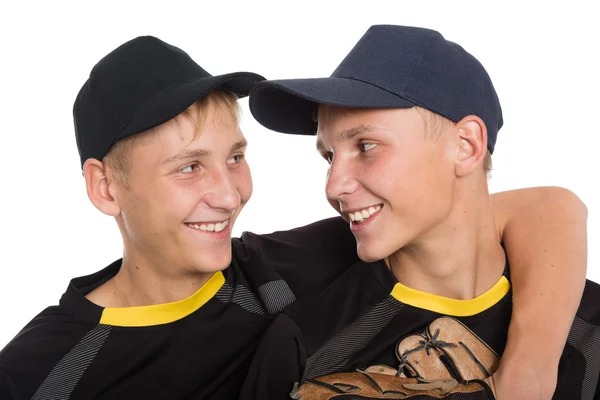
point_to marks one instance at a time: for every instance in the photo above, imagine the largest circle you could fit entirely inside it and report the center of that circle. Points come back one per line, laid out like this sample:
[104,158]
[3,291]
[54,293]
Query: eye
[236,159]
[364,147]
[328,156]
[190,168]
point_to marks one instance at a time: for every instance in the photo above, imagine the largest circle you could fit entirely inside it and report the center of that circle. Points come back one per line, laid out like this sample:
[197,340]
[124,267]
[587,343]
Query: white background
[542,58]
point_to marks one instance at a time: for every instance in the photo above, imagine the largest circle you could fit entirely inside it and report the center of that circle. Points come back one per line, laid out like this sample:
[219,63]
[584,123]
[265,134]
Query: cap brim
[288,106]
[173,101]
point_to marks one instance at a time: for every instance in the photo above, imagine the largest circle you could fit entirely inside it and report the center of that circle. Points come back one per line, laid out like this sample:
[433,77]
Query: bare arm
[545,235]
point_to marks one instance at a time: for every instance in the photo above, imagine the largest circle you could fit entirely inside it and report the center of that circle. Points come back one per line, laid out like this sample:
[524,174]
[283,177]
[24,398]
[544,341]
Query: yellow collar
[163,313]
[448,306]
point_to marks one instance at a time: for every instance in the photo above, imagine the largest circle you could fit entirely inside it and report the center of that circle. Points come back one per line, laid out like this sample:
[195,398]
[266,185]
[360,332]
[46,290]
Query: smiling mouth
[360,216]
[209,227]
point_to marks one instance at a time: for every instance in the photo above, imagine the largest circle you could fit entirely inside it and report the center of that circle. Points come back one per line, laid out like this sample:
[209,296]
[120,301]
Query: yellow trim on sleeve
[163,313]
[448,306]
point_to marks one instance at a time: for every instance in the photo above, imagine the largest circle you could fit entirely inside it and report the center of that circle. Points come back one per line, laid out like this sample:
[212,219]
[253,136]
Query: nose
[223,193]
[340,180]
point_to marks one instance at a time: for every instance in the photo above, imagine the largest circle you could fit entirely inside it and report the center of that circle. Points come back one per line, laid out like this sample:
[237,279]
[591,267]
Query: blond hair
[118,159]
[434,126]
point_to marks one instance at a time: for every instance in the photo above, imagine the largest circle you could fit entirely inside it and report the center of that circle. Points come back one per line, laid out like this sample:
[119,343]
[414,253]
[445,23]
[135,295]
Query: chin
[369,254]
[220,263]
[375,250]
[212,264]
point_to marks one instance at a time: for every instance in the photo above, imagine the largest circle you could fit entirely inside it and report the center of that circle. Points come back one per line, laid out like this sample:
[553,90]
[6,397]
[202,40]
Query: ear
[99,188]
[472,145]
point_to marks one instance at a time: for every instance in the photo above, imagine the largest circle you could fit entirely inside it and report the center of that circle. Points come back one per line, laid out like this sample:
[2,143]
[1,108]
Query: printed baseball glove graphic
[447,361]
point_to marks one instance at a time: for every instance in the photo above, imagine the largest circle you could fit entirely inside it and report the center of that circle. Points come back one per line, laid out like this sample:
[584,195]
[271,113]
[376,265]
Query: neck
[142,283]
[461,257]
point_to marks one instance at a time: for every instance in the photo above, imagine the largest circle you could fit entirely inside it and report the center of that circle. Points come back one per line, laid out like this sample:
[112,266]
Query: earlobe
[98,188]
[472,145]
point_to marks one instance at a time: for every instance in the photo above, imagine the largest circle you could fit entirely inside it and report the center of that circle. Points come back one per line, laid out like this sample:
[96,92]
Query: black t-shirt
[197,348]
[358,320]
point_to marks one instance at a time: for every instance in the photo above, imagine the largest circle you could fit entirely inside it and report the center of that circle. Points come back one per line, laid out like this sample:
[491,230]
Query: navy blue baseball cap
[390,67]
[139,85]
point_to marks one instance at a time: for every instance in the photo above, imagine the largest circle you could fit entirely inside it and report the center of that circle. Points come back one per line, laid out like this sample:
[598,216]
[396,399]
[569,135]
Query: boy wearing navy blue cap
[181,314]
[407,122]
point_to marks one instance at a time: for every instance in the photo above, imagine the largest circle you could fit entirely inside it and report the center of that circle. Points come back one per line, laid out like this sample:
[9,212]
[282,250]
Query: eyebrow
[200,153]
[238,145]
[347,135]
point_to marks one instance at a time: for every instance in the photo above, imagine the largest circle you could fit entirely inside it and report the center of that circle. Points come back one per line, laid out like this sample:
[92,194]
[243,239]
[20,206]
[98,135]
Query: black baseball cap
[139,85]
[390,67]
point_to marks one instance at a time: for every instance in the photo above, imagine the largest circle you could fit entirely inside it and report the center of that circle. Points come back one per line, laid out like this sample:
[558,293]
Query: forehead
[344,123]
[326,113]
[215,127]
[202,117]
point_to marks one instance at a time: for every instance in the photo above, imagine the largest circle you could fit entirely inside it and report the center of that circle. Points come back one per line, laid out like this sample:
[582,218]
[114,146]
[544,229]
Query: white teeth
[218,227]
[361,215]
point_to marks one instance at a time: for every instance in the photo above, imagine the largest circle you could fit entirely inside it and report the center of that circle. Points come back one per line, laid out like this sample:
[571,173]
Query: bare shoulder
[521,203]
[529,197]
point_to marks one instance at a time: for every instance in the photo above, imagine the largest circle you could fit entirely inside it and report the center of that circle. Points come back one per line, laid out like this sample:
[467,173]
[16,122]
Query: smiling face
[187,182]
[391,181]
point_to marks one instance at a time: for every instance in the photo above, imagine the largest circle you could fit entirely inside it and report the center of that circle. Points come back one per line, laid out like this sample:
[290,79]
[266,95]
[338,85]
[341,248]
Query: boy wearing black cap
[178,316]
[408,122]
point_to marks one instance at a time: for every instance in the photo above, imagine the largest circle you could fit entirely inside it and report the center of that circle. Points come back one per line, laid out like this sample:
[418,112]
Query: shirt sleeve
[8,390]
[278,362]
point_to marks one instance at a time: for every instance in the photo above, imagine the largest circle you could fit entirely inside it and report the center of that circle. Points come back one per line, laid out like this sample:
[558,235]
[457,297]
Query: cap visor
[288,106]
[173,101]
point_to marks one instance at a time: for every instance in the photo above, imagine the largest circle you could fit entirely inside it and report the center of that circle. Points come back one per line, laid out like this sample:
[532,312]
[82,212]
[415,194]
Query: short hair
[436,123]
[118,159]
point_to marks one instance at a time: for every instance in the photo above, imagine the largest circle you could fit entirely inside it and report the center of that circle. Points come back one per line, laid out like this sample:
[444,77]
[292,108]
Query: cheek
[141,200]
[439,174]
[430,187]
[177,200]
[385,175]
[135,217]
[243,182]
